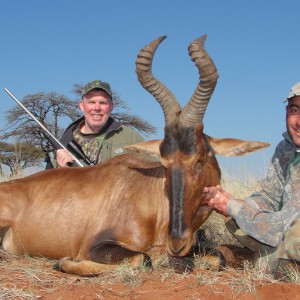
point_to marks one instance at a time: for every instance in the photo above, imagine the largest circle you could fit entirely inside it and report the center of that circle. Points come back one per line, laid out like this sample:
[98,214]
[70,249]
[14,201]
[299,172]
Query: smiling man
[99,135]
[293,116]
[268,222]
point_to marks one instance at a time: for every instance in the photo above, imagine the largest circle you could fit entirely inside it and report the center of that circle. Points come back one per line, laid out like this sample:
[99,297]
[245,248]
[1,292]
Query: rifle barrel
[49,134]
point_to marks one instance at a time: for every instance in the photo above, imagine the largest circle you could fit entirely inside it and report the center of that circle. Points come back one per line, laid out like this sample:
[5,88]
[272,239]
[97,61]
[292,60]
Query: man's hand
[217,199]
[63,158]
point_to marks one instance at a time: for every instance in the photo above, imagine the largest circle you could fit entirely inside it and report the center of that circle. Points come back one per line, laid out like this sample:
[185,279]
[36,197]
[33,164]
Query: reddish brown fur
[62,212]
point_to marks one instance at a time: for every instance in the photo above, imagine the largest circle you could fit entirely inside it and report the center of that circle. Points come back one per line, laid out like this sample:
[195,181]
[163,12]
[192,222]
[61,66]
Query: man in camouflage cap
[99,135]
[268,222]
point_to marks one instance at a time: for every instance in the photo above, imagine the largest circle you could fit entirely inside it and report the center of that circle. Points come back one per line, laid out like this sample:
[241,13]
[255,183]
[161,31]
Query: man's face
[293,119]
[96,106]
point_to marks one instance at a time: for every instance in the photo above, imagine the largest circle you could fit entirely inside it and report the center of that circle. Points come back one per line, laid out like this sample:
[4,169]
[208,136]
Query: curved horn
[161,93]
[194,110]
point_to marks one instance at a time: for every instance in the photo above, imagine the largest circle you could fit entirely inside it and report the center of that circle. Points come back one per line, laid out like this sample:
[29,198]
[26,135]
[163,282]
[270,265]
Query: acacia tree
[54,110]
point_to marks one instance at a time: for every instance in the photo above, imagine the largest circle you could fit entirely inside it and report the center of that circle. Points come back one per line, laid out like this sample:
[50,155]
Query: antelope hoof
[220,262]
[214,260]
[58,265]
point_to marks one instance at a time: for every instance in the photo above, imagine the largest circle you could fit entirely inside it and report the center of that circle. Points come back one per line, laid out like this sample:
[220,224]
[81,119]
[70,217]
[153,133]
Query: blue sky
[50,45]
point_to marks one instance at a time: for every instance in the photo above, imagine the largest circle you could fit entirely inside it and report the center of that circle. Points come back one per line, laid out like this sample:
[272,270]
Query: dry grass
[15,293]
[39,277]
[247,279]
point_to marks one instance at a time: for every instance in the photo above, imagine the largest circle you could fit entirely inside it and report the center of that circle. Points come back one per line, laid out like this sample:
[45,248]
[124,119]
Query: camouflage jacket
[266,215]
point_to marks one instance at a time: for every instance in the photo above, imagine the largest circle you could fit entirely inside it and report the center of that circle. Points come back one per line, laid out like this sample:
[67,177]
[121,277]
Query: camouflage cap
[97,84]
[295,91]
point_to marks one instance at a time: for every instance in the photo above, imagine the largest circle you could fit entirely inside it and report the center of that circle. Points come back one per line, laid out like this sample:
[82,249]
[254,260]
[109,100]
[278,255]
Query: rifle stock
[79,157]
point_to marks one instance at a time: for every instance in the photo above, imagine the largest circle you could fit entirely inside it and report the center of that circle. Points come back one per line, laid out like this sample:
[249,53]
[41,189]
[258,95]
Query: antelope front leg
[91,268]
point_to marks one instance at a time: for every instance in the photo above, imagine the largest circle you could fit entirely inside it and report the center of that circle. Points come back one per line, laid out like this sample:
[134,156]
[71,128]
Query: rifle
[80,159]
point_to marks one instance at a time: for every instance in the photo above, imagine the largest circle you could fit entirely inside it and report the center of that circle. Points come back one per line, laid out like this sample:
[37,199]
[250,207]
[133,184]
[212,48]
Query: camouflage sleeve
[270,195]
[266,215]
[264,225]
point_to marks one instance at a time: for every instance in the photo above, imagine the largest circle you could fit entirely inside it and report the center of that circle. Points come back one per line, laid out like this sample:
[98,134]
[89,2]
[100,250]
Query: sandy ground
[34,278]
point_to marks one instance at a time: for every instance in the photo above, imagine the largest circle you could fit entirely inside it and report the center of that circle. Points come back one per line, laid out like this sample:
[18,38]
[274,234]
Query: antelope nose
[176,246]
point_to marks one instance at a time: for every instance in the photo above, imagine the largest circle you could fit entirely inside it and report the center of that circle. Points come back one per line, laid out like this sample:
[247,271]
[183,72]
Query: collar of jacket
[111,124]
[289,140]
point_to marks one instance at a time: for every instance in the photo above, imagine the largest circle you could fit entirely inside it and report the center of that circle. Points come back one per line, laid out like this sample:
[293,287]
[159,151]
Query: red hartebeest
[92,218]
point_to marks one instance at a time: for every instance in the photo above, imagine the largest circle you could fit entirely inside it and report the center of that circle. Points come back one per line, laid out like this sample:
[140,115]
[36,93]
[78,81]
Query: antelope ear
[146,149]
[235,147]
